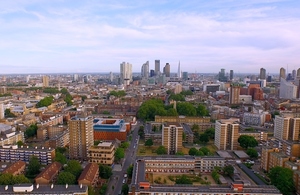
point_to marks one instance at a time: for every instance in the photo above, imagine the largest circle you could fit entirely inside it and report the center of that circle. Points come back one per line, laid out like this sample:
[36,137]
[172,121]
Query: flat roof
[105,144]
[241,154]
[224,154]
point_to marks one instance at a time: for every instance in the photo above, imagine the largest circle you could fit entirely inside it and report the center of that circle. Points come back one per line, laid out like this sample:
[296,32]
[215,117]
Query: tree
[201,110]
[195,127]
[119,154]
[34,166]
[252,153]
[103,189]
[6,179]
[210,132]
[105,171]
[61,150]
[125,189]
[282,178]
[161,150]
[205,150]
[141,132]
[186,109]
[172,112]
[247,141]
[228,170]
[59,157]
[179,153]
[148,142]
[19,179]
[204,138]
[64,91]
[183,179]
[20,143]
[215,175]
[66,178]
[31,131]
[193,152]
[45,102]
[74,167]
[124,145]
[68,99]
[8,113]
[130,171]
[183,136]
[150,108]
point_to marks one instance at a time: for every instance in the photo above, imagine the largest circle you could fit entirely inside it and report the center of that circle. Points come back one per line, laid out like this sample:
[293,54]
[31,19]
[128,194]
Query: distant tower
[231,75]
[234,94]
[1,111]
[125,73]
[111,77]
[262,74]
[145,70]
[157,67]
[298,72]
[167,70]
[282,74]
[75,77]
[294,74]
[27,78]
[45,81]
[179,71]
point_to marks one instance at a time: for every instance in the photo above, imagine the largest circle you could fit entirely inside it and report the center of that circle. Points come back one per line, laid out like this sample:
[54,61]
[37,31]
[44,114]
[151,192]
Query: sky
[61,36]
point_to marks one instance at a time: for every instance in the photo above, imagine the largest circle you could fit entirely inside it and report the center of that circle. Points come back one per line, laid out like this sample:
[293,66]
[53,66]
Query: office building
[103,153]
[286,128]
[152,73]
[45,81]
[110,129]
[287,90]
[227,134]
[262,74]
[234,94]
[172,137]
[81,136]
[222,76]
[282,74]
[157,67]
[125,73]
[167,70]
[145,70]
[185,76]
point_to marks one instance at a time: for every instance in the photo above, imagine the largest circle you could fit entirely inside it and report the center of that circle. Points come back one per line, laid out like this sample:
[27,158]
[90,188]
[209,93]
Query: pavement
[116,180]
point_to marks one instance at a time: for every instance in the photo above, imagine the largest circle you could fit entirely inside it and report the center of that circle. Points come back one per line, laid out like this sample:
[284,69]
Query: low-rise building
[103,153]
[49,174]
[89,175]
[16,168]
[12,153]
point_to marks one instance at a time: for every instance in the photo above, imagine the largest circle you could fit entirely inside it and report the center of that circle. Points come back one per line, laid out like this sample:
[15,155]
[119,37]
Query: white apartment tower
[287,90]
[125,73]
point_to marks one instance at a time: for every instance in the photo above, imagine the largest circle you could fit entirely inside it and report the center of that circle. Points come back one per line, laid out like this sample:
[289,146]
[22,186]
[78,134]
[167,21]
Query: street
[116,179]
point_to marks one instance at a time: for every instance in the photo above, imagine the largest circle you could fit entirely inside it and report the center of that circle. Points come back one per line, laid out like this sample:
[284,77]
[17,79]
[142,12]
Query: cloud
[62,36]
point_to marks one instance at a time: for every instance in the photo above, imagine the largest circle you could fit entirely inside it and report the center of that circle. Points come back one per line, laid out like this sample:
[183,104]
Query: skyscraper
[179,71]
[125,73]
[45,81]
[282,74]
[167,70]
[222,76]
[262,73]
[81,136]
[287,90]
[157,67]
[145,70]
[231,75]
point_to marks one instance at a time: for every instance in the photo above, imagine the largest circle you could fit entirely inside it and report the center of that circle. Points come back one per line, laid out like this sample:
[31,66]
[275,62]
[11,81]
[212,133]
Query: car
[124,181]
[125,175]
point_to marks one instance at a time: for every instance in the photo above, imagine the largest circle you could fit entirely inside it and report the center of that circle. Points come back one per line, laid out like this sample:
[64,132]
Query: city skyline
[94,36]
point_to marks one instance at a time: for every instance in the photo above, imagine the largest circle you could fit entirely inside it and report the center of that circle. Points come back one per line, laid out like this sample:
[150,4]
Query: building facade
[227,134]
[81,136]
[172,137]
[103,153]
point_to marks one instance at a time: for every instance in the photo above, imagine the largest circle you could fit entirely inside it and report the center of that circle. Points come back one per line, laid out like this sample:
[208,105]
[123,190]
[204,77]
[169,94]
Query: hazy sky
[38,36]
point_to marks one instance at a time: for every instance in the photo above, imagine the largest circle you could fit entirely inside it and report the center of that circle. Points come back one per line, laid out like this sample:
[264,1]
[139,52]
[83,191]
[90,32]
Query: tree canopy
[66,178]
[31,131]
[9,179]
[50,90]
[119,154]
[45,102]
[130,170]
[74,167]
[105,171]
[228,170]
[183,179]
[247,141]
[161,150]
[34,166]
[149,142]
[282,178]
[8,113]
[118,93]
[252,153]
[59,157]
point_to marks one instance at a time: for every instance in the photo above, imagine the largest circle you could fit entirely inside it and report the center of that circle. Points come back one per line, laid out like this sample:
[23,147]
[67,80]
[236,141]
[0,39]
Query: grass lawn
[169,179]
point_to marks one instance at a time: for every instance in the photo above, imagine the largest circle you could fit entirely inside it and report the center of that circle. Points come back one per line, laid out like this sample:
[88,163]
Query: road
[130,155]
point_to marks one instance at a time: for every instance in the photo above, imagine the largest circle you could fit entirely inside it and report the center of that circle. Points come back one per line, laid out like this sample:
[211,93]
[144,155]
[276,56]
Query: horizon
[95,36]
